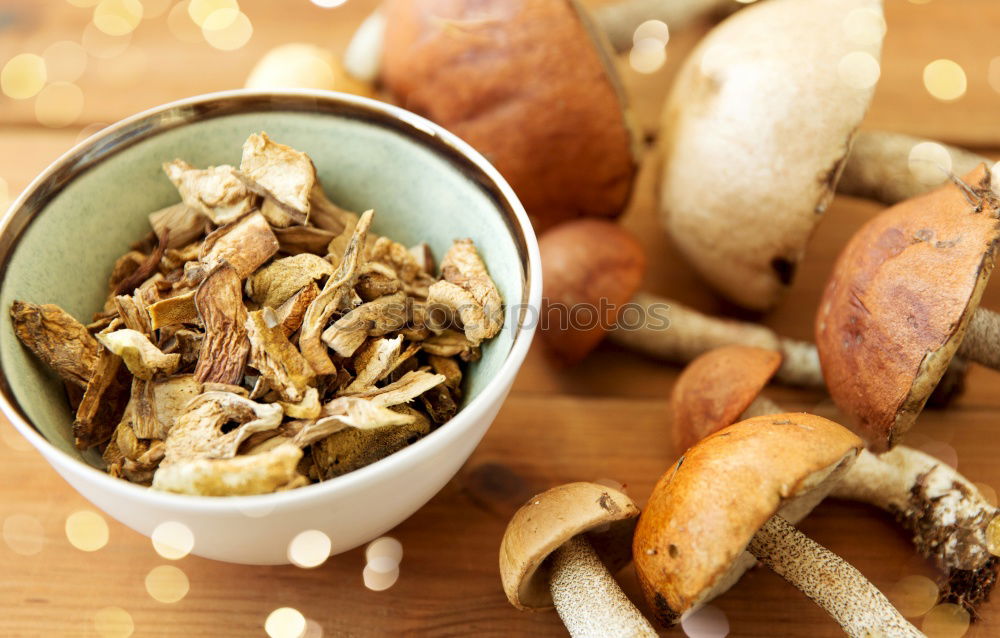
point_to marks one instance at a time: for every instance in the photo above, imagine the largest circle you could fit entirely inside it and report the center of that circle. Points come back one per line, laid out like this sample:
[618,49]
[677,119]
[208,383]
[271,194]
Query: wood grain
[603,418]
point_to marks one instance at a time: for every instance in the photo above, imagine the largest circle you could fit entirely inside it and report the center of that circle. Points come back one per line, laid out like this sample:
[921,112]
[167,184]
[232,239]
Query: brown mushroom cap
[754,136]
[898,302]
[550,519]
[529,85]
[706,508]
[587,263]
[716,388]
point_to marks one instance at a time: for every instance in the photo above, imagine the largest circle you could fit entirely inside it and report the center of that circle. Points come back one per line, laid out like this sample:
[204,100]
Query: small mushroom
[943,511]
[730,498]
[303,66]
[757,132]
[902,301]
[562,548]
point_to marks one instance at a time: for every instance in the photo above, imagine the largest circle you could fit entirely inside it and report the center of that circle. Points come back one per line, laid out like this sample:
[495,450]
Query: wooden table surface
[604,418]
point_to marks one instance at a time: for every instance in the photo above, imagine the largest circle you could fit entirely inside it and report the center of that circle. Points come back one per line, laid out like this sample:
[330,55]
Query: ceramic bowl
[60,238]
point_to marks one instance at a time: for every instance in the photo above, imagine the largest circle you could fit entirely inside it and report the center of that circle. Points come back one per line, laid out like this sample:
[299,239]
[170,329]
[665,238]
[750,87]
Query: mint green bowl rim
[136,128]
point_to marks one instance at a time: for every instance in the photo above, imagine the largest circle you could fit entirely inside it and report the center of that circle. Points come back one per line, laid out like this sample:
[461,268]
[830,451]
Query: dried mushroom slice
[303,239]
[353,448]
[451,343]
[173,311]
[224,348]
[308,408]
[216,192]
[439,403]
[375,360]
[372,319]
[377,280]
[197,433]
[132,312]
[280,364]
[186,343]
[275,283]
[469,291]
[397,256]
[244,245]
[59,340]
[155,409]
[328,216]
[103,403]
[338,286]
[143,359]
[403,390]
[264,473]
[424,258]
[450,369]
[284,176]
[177,225]
[291,313]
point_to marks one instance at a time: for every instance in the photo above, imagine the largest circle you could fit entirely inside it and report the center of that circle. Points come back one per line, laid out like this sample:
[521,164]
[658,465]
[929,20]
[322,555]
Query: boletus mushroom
[903,300]
[562,547]
[592,273]
[760,127]
[946,516]
[759,474]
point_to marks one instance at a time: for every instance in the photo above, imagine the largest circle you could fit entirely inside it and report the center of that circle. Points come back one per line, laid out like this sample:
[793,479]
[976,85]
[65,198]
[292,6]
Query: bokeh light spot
[652,29]
[930,163]
[913,595]
[220,19]
[118,17]
[310,548]
[154,8]
[859,70]
[23,534]
[705,622]
[379,581]
[384,547]
[294,66]
[647,55]
[864,27]
[167,584]
[285,622]
[181,26]
[172,540]
[328,4]
[59,104]
[945,80]
[113,622]
[233,37]
[993,536]
[101,45]
[993,74]
[65,61]
[947,620]
[23,76]
[313,629]
[87,531]
[200,10]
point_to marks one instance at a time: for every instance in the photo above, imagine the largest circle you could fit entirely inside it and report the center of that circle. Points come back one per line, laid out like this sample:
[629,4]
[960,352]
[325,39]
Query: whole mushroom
[562,548]
[761,129]
[903,300]
[592,271]
[946,516]
[299,65]
[728,500]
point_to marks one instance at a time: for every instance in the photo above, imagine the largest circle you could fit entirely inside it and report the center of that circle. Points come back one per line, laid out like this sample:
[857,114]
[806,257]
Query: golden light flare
[23,76]
[167,584]
[993,536]
[706,622]
[118,17]
[859,70]
[313,629]
[87,530]
[285,622]
[154,8]
[113,622]
[864,27]
[232,37]
[23,534]
[654,29]
[181,26]
[65,61]
[376,580]
[101,45]
[83,4]
[993,74]
[913,595]
[647,56]
[947,620]
[59,104]
[945,80]
[172,540]
[930,163]
[200,10]
[328,4]
[384,547]
[220,19]
[309,549]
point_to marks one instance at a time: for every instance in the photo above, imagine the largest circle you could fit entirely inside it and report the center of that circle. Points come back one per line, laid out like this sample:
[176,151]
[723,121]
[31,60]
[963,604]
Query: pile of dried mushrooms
[262,338]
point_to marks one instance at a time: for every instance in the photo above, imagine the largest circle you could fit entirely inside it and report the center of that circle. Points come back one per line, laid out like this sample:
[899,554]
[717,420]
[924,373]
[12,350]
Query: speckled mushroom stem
[982,339]
[833,584]
[878,167]
[665,329]
[619,20]
[945,513]
[587,598]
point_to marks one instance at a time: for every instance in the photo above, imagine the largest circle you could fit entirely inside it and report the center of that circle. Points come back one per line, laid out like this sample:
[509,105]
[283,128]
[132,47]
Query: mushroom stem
[619,20]
[587,598]
[982,339]
[833,584]
[878,167]
[671,331]
[945,514]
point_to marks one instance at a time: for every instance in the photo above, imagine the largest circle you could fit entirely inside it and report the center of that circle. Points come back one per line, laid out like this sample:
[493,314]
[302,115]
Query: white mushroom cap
[755,133]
